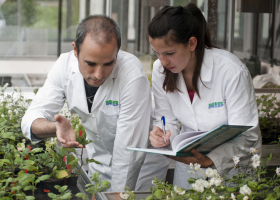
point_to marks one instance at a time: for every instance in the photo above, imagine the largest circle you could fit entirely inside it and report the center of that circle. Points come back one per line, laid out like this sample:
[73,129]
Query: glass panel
[277,34]
[30,28]
[238,30]
[222,24]
[264,43]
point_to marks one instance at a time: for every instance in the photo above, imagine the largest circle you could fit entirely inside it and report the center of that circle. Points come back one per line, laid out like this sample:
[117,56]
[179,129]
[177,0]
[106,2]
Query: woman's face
[173,56]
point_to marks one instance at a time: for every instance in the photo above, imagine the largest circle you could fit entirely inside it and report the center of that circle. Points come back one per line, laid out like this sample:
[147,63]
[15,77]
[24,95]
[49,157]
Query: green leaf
[92,160]
[2,193]
[67,196]
[95,175]
[36,150]
[52,195]
[54,168]
[30,198]
[231,190]
[74,166]
[18,161]
[30,187]
[30,168]
[17,188]
[82,195]
[42,178]
[5,161]
[73,162]
[8,135]
[28,162]
[70,150]
[252,184]
[157,193]
[61,174]
[150,197]
[105,183]
[70,158]
[63,188]
[57,187]
[62,153]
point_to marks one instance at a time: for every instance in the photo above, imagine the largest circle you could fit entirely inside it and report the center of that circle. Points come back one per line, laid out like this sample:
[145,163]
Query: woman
[188,77]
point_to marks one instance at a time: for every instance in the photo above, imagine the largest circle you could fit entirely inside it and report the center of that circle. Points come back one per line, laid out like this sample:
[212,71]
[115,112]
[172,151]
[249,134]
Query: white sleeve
[162,105]
[48,101]
[242,110]
[132,130]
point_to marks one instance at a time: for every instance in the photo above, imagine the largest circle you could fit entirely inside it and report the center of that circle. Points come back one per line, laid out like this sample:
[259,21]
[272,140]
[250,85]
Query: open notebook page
[184,138]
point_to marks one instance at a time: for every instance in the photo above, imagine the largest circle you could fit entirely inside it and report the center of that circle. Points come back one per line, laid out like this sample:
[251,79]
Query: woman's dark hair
[180,24]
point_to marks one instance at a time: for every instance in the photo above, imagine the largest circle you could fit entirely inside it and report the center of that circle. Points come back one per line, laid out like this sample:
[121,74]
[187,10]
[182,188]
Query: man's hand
[198,158]
[65,133]
[156,137]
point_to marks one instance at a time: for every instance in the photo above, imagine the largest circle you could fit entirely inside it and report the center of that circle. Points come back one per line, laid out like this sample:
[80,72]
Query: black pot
[267,140]
[45,187]
[71,181]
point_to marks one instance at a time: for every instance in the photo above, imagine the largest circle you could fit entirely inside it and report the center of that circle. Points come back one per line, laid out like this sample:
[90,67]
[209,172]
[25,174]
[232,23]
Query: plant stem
[82,162]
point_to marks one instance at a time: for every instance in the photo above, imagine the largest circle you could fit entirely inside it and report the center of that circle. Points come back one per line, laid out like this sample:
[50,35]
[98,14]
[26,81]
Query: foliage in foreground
[249,183]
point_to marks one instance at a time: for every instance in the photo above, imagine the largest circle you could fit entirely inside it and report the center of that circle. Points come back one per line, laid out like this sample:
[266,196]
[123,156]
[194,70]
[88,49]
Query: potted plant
[42,163]
[96,187]
[12,109]
[64,193]
[28,183]
[269,113]
[251,182]
[269,109]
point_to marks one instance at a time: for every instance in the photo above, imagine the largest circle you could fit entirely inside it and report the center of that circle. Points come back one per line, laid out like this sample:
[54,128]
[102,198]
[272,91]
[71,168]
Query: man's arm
[42,128]
[62,129]
[48,101]
[41,117]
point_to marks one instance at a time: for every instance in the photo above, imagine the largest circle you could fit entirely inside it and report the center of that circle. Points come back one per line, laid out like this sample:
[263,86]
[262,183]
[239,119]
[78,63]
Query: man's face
[96,61]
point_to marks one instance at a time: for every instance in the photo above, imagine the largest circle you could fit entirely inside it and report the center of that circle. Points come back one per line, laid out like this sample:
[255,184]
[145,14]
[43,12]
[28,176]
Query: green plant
[76,124]
[269,113]
[64,193]
[98,186]
[29,182]
[251,182]
[127,194]
[12,109]
[35,162]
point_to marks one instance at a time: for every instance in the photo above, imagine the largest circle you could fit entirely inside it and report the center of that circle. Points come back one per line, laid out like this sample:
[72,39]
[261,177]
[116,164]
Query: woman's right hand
[157,137]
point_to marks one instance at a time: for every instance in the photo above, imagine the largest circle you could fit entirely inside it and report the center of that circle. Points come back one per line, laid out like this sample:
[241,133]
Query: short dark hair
[179,24]
[97,25]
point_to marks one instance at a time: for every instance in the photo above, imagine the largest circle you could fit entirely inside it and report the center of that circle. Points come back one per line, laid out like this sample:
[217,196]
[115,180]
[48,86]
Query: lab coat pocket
[109,116]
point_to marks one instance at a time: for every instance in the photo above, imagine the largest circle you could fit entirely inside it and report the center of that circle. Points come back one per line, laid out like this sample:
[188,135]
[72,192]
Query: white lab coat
[112,126]
[225,79]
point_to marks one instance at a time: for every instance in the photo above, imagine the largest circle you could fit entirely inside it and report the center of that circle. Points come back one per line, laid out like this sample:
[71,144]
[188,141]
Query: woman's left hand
[198,158]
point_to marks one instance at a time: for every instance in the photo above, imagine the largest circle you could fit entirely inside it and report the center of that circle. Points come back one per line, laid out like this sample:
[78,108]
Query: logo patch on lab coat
[216,105]
[113,103]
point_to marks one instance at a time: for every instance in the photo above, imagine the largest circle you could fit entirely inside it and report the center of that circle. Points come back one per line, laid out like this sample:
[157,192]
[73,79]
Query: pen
[163,126]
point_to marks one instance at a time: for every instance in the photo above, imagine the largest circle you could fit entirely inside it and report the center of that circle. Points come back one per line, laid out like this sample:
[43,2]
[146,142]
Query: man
[109,90]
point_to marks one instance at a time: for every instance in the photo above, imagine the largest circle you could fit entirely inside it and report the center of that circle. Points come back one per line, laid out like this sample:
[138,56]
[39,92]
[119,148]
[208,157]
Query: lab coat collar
[79,93]
[184,93]
[207,66]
